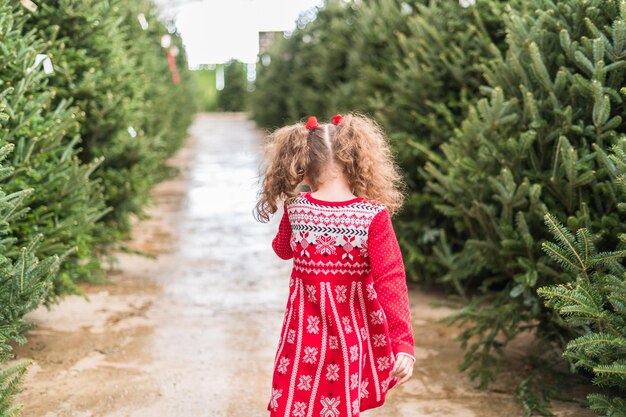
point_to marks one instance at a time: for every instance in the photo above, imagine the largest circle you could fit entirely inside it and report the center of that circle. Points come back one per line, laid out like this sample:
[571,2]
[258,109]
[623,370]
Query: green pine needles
[593,302]
[71,172]
[10,384]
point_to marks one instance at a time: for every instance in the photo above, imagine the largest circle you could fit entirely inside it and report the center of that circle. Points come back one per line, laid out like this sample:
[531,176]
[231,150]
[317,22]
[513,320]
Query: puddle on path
[193,333]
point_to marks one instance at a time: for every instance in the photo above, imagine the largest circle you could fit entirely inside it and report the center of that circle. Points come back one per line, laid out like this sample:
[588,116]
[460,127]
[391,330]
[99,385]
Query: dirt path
[193,332]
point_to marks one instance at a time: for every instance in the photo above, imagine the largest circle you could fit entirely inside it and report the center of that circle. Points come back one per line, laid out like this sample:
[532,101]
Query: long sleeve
[281,243]
[390,281]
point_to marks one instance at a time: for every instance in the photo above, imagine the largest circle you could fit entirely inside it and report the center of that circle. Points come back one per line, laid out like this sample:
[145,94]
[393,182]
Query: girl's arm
[281,243]
[390,282]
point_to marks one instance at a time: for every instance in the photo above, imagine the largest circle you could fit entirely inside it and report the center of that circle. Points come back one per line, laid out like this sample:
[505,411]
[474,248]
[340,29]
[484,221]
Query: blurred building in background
[225,40]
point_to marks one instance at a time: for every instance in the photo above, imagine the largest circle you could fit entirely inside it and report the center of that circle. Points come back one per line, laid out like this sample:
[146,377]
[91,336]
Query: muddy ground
[193,332]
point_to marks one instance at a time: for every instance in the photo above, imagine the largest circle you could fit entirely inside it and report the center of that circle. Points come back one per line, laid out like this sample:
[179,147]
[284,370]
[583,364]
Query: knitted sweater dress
[347,313]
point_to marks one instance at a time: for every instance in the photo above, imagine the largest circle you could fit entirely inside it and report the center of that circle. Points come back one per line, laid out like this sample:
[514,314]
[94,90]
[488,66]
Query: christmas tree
[113,69]
[234,96]
[536,143]
[58,113]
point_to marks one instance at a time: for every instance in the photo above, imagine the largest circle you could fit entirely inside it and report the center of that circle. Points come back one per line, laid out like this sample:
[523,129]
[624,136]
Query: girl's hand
[403,368]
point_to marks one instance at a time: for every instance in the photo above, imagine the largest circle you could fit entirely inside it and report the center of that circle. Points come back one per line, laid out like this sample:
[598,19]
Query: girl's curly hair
[357,144]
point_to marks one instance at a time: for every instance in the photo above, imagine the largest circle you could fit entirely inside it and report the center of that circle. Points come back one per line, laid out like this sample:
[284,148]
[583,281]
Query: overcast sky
[215,31]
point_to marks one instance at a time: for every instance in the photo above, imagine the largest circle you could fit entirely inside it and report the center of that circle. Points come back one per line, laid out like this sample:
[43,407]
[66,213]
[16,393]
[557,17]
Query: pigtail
[362,148]
[287,156]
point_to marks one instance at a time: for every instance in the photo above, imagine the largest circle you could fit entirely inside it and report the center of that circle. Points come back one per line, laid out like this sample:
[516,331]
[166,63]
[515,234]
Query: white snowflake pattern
[310,354]
[363,333]
[354,353]
[379,340]
[329,407]
[385,384]
[311,290]
[355,407]
[325,245]
[346,324]
[276,394]
[377,317]
[291,336]
[364,248]
[313,326]
[293,242]
[383,363]
[347,247]
[304,383]
[282,365]
[299,409]
[332,372]
[332,342]
[363,392]
[354,381]
[304,243]
[340,292]
[371,293]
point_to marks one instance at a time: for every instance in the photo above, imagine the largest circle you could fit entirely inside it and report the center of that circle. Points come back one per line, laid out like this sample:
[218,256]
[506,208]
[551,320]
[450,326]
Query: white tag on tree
[132,132]
[47,64]
[142,21]
[30,5]
[166,41]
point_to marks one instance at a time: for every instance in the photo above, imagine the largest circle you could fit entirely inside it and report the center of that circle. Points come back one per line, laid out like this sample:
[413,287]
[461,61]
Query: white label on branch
[29,5]
[132,132]
[467,3]
[47,64]
[406,8]
[166,41]
[142,21]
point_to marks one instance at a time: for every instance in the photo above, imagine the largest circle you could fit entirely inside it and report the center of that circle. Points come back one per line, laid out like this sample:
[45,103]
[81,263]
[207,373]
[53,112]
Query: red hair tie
[337,119]
[311,123]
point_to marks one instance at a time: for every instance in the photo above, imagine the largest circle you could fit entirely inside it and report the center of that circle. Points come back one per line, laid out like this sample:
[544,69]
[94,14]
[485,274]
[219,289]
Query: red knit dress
[347,313]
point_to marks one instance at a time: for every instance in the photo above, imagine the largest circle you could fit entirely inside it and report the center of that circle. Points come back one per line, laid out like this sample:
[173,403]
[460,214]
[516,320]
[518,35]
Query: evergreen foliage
[234,96]
[269,99]
[44,135]
[117,73]
[70,172]
[536,143]
[421,96]
[10,383]
[593,301]
[594,304]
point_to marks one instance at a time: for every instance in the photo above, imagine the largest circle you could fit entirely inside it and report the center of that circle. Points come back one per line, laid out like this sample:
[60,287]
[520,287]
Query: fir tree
[234,96]
[593,303]
[103,56]
[432,73]
[270,85]
[535,144]
[65,202]
[51,206]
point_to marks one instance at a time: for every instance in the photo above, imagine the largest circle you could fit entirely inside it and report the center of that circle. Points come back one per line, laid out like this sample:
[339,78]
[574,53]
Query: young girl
[346,337]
